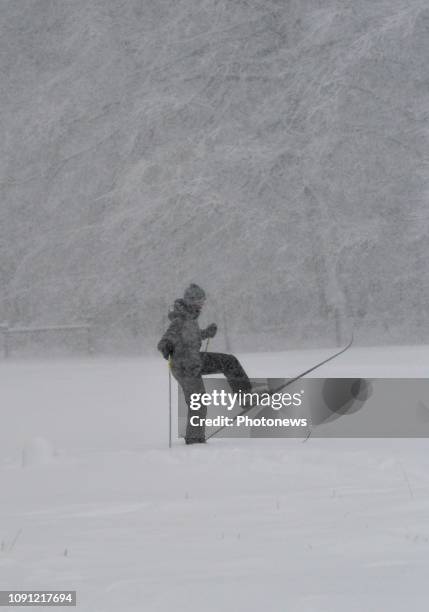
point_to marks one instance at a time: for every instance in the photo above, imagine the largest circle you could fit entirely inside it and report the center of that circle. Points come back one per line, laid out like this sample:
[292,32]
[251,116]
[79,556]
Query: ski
[290,382]
[315,367]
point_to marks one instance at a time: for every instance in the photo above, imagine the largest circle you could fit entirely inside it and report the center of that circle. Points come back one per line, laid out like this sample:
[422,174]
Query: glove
[166,348]
[211,330]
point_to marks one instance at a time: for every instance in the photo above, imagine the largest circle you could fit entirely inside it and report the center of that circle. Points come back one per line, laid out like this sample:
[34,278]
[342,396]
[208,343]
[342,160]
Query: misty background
[275,152]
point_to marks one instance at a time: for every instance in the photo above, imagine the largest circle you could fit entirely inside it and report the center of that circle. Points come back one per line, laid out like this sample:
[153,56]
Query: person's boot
[260,388]
[201,440]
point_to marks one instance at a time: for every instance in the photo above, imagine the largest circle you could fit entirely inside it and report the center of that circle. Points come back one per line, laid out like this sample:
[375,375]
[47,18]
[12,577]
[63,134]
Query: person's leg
[189,386]
[230,367]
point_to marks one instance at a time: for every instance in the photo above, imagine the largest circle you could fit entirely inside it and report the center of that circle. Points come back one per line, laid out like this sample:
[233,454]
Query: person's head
[194,297]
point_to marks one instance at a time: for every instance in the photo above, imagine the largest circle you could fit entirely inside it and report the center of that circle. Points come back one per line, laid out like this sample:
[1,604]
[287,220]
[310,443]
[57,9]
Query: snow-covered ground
[92,499]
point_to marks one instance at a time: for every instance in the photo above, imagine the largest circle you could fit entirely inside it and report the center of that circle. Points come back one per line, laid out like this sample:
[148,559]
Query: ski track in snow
[330,525]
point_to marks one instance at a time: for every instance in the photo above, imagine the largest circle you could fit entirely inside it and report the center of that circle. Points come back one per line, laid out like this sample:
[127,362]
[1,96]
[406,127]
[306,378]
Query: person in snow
[181,345]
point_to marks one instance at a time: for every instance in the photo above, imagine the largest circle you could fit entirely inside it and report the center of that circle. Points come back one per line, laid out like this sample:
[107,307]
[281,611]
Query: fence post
[89,340]
[338,327]
[4,331]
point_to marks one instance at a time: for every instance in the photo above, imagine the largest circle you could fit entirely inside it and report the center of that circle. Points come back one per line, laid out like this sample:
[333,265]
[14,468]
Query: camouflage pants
[211,363]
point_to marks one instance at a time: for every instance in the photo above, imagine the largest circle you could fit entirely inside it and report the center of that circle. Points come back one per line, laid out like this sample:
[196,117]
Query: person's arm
[169,340]
[209,332]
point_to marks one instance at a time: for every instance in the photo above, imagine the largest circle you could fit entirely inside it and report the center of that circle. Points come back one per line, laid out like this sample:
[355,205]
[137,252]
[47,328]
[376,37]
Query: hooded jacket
[185,337]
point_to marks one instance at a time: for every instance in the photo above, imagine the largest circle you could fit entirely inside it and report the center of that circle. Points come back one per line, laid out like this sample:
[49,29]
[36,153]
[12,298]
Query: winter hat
[194,293]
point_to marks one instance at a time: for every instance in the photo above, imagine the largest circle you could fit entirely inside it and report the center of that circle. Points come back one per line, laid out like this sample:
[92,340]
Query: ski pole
[169,402]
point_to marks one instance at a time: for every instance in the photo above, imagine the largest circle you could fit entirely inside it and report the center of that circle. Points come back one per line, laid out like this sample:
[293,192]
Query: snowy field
[92,499]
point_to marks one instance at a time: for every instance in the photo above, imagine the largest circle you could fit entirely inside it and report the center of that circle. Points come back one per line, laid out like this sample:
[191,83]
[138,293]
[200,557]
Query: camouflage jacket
[185,337]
